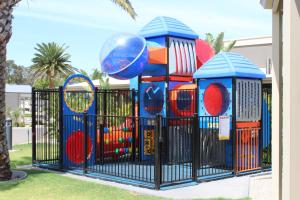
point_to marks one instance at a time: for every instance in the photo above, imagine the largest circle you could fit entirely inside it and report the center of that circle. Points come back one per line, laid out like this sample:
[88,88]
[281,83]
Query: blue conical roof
[167,26]
[227,64]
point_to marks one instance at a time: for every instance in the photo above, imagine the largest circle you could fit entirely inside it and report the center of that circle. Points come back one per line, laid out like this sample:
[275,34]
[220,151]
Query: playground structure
[190,115]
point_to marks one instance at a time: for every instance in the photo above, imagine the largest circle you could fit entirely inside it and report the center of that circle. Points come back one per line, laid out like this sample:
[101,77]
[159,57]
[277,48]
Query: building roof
[268,78]
[228,64]
[167,26]
[264,40]
[25,89]
[113,83]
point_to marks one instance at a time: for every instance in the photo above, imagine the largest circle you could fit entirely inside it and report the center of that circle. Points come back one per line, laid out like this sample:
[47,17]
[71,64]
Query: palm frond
[126,5]
[209,38]
[219,43]
[14,2]
[229,46]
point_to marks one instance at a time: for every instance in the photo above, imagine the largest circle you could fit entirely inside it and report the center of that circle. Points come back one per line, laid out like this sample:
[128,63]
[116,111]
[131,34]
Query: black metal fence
[121,146]
[116,102]
[176,148]
[267,126]
[215,155]
[45,126]
[181,152]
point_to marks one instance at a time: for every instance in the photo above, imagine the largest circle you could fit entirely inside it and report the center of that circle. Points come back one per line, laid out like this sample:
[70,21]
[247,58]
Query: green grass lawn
[41,184]
[45,185]
[21,155]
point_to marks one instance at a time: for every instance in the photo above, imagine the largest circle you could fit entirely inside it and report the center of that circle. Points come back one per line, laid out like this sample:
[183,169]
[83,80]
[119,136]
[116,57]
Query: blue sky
[84,25]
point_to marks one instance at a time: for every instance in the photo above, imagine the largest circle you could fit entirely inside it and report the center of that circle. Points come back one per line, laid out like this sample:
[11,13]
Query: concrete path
[234,188]
[254,186]
[261,187]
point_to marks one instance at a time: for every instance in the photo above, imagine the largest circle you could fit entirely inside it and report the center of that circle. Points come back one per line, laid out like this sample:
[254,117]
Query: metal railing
[45,127]
[119,145]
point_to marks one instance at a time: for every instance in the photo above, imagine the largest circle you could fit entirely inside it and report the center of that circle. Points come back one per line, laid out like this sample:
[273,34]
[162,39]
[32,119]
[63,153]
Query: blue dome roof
[167,26]
[227,64]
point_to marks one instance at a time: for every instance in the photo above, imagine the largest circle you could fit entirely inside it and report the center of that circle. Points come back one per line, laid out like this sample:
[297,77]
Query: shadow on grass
[30,175]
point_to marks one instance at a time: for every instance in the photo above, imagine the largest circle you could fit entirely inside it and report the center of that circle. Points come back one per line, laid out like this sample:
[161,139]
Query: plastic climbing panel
[182,57]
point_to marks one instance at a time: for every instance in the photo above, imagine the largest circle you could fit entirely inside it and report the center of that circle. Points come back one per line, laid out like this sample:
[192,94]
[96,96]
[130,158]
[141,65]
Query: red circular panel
[75,147]
[203,52]
[216,99]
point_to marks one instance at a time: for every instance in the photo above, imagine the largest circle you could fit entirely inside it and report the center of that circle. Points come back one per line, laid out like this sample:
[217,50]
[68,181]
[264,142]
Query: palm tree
[218,43]
[17,115]
[6,10]
[51,62]
[103,81]
[82,71]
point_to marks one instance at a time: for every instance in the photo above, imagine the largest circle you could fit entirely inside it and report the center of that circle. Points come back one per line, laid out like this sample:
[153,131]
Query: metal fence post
[196,145]
[234,145]
[260,131]
[85,121]
[133,124]
[61,132]
[102,143]
[168,131]
[140,120]
[157,154]
[33,124]
[96,125]
[104,106]
[8,132]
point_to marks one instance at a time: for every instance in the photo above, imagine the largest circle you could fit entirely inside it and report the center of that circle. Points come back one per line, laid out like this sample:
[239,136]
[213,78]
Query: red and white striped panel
[182,57]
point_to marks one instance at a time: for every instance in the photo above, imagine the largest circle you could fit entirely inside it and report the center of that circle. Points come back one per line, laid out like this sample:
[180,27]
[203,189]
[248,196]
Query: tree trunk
[5,33]
[51,82]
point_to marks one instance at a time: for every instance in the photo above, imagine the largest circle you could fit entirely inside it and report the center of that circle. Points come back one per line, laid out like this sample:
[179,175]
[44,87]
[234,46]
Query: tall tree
[44,83]
[6,10]
[218,43]
[51,62]
[16,74]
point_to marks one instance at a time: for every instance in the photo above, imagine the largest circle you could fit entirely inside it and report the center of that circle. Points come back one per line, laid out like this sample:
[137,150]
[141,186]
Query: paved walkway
[261,187]
[255,186]
[236,187]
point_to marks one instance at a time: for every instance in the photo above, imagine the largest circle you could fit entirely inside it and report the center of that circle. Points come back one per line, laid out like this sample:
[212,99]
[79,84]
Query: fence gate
[177,150]
[213,155]
[45,127]
[247,148]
